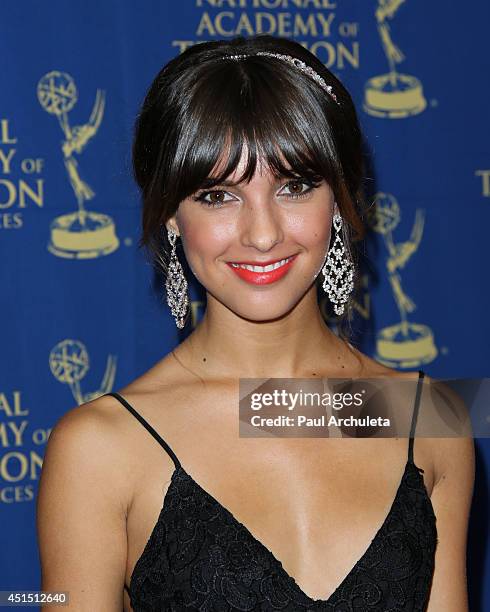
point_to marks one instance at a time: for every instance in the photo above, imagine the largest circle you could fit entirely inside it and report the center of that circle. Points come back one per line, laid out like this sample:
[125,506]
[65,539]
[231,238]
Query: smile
[262,275]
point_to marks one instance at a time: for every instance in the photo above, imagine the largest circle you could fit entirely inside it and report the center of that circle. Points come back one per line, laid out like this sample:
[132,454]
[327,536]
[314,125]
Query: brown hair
[198,106]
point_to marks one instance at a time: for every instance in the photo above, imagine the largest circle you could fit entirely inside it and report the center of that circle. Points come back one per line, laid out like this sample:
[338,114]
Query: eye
[213,198]
[297,188]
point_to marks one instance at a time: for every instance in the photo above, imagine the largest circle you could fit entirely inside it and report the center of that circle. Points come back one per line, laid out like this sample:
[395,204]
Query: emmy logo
[69,363]
[392,95]
[82,234]
[405,344]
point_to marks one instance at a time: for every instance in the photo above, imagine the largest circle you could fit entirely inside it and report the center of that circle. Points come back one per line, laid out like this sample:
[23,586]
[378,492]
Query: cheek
[312,230]
[205,238]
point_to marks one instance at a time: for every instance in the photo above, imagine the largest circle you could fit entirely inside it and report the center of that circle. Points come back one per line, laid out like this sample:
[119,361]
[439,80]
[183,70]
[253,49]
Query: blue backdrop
[82,312]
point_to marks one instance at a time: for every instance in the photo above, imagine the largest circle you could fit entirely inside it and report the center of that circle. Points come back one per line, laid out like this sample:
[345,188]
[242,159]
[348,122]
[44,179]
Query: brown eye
[216,196]
[213,198]
[298,188]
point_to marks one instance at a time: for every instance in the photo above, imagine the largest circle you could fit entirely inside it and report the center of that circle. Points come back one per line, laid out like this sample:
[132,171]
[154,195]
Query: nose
[261,225]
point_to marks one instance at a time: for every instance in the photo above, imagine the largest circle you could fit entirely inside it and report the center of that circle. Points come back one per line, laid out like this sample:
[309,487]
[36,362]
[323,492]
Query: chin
[264,312]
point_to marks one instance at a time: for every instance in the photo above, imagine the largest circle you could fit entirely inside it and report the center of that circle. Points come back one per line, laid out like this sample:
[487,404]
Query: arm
[81,513]
[451,499]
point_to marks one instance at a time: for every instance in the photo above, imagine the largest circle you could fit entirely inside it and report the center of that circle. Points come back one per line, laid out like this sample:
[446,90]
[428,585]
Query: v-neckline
[179,470]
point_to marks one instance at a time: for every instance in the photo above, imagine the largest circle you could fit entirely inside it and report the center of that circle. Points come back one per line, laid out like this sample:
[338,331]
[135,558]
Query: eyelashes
[202,197]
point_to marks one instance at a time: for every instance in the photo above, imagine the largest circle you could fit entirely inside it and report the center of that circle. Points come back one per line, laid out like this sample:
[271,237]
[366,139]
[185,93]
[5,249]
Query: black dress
[199,557]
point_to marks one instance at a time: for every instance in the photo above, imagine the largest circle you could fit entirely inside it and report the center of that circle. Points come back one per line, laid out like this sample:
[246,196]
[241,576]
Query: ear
[172,224]
[335,209]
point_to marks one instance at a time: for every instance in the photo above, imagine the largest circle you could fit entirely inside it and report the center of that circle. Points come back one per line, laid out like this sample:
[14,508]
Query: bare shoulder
[103,439]
[445,447]
[443,429]
[165,400]
[81,508]
[444,434]
[103,432]
[95,423]
[92,433]
[369,367]
[446,414]
[445,419]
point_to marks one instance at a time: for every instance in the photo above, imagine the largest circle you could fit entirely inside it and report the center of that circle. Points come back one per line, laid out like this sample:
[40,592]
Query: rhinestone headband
[295,62]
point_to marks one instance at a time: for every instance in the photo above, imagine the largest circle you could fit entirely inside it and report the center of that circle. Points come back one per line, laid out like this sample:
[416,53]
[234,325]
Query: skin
[89,543]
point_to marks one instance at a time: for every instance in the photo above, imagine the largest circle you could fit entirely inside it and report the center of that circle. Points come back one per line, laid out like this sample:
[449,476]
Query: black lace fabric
[200,557]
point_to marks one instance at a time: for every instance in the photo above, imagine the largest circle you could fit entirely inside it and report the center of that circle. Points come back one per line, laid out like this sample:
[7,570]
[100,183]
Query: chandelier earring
[338,271]
[176,284]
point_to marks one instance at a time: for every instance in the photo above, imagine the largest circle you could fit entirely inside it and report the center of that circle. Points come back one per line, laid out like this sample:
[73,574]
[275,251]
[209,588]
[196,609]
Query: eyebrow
[213,182]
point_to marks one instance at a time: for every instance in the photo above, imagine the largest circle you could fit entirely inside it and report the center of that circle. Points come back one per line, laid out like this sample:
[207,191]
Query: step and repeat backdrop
[83,312]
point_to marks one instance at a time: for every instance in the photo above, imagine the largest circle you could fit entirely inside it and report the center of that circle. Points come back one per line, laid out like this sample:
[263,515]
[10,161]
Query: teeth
[268,268]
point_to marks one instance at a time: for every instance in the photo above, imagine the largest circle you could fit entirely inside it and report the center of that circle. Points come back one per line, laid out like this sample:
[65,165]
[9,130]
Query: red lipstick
[261,277]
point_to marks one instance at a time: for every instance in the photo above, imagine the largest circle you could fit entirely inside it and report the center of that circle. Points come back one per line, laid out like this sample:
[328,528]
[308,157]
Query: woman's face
[257,223]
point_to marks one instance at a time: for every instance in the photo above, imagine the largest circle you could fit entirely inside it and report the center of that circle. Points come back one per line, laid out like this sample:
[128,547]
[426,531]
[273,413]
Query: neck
[298,344]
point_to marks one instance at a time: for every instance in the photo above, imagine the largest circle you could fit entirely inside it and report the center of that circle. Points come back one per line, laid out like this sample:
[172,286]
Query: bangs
[273,111]
[218,103]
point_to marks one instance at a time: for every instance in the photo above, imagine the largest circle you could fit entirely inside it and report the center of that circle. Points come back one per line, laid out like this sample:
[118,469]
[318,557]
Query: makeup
[263,274]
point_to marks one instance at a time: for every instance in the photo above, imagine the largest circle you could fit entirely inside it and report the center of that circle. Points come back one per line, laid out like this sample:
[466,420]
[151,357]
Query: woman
[249,151]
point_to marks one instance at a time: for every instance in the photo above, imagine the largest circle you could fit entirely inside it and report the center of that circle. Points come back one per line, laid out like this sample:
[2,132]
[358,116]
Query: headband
[295,62]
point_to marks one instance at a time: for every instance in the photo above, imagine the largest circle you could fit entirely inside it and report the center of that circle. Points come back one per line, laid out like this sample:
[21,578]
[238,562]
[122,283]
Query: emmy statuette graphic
[81,234]
[393,95]
[69,362]
[405,344]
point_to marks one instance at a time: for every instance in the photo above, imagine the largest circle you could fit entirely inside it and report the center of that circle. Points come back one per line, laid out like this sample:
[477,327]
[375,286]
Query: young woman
[249,151]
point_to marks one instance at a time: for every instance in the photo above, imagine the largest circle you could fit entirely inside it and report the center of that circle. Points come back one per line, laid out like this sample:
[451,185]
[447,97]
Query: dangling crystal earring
[176,284]
[338,271]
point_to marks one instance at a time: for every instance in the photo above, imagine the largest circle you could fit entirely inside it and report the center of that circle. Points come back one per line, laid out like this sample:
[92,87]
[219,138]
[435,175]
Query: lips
[256,274]
[259,263]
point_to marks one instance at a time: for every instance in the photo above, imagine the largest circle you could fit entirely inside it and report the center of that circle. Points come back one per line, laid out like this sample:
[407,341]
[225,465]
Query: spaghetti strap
[147,426]
[415,414]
